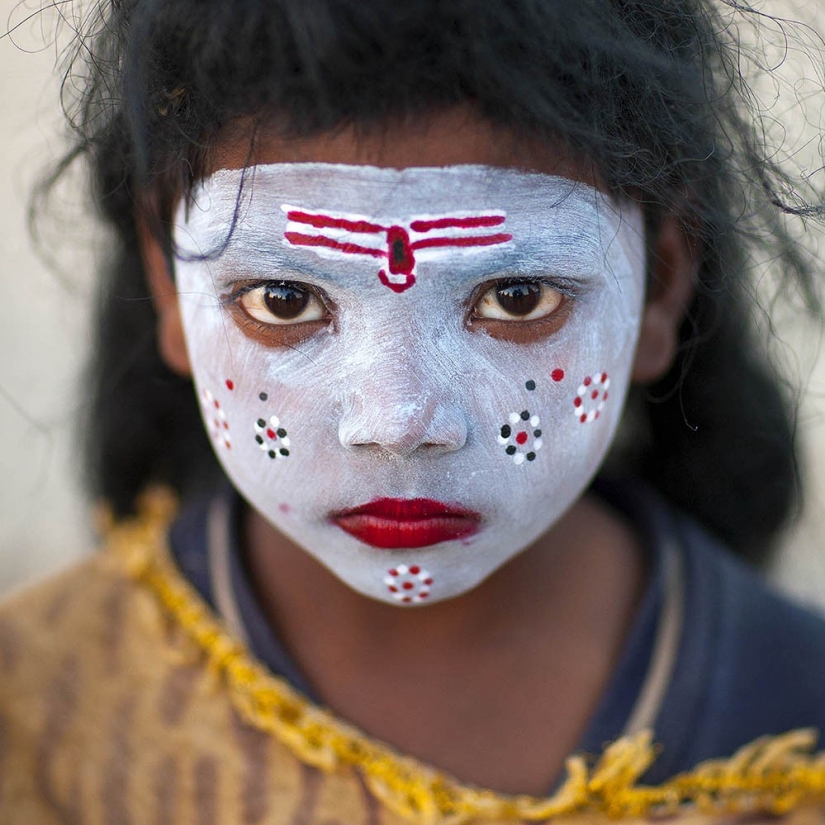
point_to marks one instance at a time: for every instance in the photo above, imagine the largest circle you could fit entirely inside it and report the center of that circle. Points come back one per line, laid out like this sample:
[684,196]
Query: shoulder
[742,661]
[64,660]
[53,616]
[751,662]
[770,652]
[68,640]
[118,687]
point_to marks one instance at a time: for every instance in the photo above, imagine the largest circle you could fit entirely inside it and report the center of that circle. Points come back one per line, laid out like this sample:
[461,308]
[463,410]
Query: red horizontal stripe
[476,240]
[328,222]
[457,223]
[297,239]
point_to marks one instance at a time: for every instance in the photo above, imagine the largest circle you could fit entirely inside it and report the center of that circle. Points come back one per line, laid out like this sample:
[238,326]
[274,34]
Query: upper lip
[409,509]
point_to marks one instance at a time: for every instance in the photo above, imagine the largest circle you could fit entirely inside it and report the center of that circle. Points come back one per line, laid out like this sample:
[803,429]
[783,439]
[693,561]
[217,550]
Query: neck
[581,581]
[521,660]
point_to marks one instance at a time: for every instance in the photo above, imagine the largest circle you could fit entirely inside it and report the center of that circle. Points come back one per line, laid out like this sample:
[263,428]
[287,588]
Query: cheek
[271,436]
[591,396]
[215,419]
[554,423]
[263,431]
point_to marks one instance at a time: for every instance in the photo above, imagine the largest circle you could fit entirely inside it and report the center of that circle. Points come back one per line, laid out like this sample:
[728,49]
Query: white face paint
[405,427]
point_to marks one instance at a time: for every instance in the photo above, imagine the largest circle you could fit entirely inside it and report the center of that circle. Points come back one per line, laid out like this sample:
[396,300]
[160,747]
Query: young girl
[418,269]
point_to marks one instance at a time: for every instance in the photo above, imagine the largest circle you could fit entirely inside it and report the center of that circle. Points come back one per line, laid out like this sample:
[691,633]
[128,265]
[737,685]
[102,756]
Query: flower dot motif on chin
[408,584]
[271,437]
[521,436]
[591,397]
[215,418]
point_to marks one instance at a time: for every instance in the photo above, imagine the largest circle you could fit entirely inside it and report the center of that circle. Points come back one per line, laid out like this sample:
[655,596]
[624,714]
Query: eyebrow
[259,261]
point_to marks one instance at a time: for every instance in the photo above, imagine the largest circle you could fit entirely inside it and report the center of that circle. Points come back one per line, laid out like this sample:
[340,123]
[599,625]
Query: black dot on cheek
[536,433]
[525,415]
[530,456]
[263,396]
[530,385]
[271,453]
[259,439]
[505,431]
[511,450]
[284,452]
[281,432]
[261,422]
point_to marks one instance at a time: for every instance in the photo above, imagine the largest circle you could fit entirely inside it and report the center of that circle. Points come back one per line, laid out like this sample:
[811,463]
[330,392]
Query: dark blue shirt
[714,658]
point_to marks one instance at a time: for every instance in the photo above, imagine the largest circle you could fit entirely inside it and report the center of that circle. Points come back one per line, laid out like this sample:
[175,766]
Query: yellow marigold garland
[772,774]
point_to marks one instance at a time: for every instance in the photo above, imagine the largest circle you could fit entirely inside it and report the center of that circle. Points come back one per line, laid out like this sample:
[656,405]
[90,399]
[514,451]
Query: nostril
[401,429]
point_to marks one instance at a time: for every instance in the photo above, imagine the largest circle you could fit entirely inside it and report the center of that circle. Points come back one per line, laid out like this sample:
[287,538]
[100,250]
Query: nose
[398,411]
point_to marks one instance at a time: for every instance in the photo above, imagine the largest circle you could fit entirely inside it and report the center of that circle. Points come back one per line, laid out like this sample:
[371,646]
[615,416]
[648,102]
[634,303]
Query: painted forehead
[400,217]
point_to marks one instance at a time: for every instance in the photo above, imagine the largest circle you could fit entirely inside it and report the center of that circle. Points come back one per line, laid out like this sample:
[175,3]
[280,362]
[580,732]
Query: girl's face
[411,373]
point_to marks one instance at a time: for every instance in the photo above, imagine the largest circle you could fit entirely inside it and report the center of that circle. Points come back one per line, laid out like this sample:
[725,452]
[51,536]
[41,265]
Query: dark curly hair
[649,91]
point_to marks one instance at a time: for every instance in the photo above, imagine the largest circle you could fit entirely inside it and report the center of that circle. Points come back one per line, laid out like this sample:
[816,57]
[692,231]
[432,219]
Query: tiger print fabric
[111,715]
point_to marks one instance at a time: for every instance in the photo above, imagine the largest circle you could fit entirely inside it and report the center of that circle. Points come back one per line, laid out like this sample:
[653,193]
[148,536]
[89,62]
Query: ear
[171,340]
[674,263]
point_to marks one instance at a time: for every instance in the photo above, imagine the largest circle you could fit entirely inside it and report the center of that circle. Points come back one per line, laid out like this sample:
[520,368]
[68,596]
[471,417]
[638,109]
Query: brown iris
[518,299]
[285,300]
[523,312]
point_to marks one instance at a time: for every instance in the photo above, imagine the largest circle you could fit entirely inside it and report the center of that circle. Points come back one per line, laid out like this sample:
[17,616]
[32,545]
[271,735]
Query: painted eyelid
[566,291]
[235,298]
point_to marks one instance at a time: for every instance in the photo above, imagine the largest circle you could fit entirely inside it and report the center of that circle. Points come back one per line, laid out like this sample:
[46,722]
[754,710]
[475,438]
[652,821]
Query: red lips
[398,523]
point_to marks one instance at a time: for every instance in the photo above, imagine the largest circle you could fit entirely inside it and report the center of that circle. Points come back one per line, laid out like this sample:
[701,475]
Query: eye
[281,303]
[518,301]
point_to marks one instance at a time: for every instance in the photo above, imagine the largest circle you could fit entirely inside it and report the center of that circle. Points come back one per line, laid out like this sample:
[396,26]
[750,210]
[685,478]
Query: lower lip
[399,533]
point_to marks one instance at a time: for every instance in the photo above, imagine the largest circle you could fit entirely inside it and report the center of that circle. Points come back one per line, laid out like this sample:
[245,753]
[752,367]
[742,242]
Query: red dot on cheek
[521,438]
[415,570]
[407,585]
[270,433]
[557,375]
[428,581]
[594,395]
[230,384]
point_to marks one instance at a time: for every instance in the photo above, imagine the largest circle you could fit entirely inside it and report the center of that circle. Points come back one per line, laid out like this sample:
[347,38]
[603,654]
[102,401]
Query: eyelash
[565,290]
[524,330]
[272,333]
[248,289]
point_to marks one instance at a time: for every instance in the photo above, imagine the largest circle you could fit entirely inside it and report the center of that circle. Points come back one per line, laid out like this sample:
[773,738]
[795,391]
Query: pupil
[518,299]
[286,301]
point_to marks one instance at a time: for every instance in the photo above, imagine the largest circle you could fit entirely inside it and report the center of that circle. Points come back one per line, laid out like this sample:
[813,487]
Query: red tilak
[399,250]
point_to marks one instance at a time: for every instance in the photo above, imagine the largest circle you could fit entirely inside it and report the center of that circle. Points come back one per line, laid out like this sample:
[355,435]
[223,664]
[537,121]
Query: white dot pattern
[215,418]
[591,397]
[408,584]
[521,437]
[271,437]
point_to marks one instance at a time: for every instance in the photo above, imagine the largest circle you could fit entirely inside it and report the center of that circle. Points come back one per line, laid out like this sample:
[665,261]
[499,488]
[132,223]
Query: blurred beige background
[44,332]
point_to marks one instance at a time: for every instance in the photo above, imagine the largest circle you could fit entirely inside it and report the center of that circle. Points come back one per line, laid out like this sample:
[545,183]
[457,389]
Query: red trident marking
[400,247]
